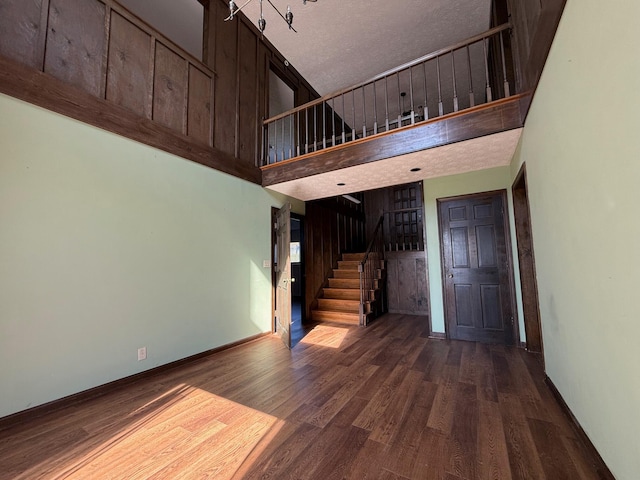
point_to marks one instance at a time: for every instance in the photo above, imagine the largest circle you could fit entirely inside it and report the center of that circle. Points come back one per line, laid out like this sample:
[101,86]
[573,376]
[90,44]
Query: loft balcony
[461,98]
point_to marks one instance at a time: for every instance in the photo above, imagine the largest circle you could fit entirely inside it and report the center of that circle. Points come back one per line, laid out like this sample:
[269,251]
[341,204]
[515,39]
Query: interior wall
[454,185]
[581,147]
[108,245]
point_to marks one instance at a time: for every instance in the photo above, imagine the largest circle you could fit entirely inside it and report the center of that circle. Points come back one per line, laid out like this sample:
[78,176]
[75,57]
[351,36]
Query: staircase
[340,301]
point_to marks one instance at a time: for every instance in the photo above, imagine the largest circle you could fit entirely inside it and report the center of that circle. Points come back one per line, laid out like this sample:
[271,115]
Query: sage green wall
[474,182]
[107,245]
[581,145]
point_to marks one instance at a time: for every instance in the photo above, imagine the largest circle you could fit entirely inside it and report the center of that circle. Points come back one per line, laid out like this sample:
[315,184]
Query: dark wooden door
[283,274]
[476,268]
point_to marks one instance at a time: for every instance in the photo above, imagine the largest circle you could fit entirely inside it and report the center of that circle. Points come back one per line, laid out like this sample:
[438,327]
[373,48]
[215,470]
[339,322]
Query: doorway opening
[526,258]
[288,286]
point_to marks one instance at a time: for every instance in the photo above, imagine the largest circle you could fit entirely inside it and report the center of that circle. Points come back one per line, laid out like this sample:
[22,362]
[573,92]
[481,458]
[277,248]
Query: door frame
[527,262]
[508,247]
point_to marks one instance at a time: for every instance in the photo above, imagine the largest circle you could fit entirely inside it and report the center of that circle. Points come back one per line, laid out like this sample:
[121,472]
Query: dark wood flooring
[383,402]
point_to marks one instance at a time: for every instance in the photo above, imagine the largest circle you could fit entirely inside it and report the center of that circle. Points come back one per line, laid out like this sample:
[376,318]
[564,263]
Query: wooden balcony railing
[476,71]
[103,49]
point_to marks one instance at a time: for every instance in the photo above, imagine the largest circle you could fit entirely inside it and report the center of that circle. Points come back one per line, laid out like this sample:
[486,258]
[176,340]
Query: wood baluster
[486,70]
[425,110]
[455,87]
[344,135]
[364,115]
[375,110]
[353,115]
[333,122]
[315,128]
[440,106]
[306,128]
[472,98]
[507,92]
[386,103]
[291,146]
[284,144]
[324,124]
[399,105]
[297,137]
[413,113]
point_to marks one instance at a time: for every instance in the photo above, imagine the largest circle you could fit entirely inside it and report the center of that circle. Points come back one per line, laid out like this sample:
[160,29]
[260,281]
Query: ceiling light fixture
[352,199]
[262,23]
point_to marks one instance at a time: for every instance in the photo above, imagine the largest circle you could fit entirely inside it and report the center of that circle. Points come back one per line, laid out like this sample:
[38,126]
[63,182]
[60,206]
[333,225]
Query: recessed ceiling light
[416,169]
[341,184]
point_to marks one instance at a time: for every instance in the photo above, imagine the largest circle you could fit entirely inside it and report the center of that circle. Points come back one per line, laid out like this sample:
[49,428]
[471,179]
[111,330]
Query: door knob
[450,275]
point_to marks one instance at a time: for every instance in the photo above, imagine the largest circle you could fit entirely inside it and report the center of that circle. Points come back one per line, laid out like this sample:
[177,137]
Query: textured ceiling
[468,156]
[341,43]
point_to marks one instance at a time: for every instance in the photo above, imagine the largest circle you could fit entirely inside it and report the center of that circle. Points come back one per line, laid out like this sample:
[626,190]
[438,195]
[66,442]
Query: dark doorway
[527,262]
[297,278]
[476,266]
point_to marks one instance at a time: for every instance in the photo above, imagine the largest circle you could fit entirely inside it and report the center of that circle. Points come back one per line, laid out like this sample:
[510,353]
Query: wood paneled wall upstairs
[534,26]
[96,62]
[242,58]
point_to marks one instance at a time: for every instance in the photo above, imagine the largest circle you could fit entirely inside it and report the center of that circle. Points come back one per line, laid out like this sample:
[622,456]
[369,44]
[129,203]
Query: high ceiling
[340,43]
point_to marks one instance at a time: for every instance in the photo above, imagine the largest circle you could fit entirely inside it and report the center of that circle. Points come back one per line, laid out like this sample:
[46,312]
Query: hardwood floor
[383,402]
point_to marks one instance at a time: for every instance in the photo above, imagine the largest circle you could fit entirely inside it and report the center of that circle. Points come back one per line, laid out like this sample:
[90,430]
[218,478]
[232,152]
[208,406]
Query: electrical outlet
[142,353]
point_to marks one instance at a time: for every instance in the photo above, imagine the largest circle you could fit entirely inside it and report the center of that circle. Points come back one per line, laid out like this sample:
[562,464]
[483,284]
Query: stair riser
[343,294]
[352,257]
[336,317]
[348,265]
[344,283]
[348,306]
[346,274]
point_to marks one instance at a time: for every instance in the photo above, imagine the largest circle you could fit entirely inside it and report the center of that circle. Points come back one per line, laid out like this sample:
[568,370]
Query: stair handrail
[368,268]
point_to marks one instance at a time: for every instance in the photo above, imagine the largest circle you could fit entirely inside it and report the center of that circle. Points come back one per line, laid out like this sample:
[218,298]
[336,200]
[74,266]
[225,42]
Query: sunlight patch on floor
[184,432]
[326,336]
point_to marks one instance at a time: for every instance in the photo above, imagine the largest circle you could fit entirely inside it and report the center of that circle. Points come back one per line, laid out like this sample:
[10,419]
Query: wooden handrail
[372,242]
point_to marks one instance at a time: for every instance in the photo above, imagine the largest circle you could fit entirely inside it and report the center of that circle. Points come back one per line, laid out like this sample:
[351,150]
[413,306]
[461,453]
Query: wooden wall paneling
[200,104]
[23,27]
[170,89]
[262,94]
[76,43]
[225,54]
[407,282]
[247,95]
[129,77]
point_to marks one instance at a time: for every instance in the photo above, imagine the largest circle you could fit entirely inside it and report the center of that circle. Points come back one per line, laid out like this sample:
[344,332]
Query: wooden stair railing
[371,272]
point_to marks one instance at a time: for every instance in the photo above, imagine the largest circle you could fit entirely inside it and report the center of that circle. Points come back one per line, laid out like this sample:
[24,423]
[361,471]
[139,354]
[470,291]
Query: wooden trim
[600,467]
[527,263]
[437,335]
[101,390]
[45,91]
